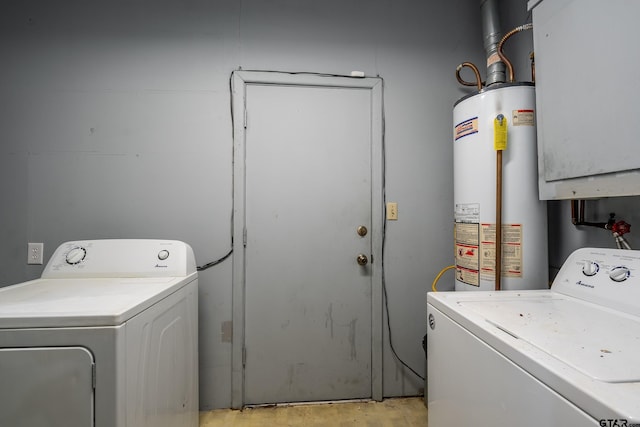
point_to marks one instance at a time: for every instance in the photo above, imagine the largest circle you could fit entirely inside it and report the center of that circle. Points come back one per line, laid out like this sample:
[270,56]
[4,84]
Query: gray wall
[115,122]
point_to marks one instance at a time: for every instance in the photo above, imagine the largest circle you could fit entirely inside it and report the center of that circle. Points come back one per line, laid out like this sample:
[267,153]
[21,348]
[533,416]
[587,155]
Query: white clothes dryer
[107,337]
[567,356]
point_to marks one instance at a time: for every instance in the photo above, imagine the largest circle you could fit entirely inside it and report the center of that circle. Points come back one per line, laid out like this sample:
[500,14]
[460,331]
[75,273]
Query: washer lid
[47,303]
[597,341]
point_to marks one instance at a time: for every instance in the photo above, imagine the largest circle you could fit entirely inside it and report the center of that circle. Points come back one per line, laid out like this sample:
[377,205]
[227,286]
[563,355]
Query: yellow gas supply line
[435,281]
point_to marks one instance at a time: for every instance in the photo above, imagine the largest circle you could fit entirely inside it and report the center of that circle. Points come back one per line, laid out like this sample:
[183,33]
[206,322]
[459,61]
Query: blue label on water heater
[466,128]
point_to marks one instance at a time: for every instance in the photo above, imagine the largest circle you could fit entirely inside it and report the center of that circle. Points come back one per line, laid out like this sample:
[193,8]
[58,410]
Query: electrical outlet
[35,253]
[392,211]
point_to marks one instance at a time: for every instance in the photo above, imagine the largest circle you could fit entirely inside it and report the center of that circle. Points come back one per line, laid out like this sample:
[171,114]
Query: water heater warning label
[466,128]
[511,251]
[467,253]
[470,277]
[523,118]
[467,212]
[467,256]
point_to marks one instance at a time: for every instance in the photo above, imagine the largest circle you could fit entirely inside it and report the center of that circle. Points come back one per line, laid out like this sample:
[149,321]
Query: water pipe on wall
[618,228]
[532,57]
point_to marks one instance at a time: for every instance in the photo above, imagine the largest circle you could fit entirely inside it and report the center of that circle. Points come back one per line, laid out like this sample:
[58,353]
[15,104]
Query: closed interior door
[308,187]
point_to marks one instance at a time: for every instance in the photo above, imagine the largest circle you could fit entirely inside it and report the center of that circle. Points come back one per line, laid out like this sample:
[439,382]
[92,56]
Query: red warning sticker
[523,118]
[468,127]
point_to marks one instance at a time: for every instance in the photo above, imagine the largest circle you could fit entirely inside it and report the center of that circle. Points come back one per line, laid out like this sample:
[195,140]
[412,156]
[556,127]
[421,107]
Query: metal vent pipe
[491,37]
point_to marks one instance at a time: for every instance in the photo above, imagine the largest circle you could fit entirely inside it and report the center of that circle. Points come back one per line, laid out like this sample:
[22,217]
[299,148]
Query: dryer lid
[47,303]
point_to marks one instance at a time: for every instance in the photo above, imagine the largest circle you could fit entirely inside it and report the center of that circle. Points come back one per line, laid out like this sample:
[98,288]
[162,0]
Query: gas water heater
[524,261]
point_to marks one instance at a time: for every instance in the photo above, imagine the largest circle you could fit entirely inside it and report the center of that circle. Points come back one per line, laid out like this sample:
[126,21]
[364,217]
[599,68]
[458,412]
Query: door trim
[239,82]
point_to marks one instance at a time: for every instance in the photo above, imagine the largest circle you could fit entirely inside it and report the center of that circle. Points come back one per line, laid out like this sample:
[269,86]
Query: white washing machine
[568,356]
[107,337]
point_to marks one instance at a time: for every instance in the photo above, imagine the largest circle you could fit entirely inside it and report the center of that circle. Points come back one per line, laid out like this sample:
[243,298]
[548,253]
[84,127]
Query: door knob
[362,259]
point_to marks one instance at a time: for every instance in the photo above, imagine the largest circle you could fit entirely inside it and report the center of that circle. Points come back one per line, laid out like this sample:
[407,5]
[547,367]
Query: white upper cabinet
[587,56]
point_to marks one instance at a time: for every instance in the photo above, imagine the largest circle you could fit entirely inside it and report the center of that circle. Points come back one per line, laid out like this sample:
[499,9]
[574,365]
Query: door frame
[239,82]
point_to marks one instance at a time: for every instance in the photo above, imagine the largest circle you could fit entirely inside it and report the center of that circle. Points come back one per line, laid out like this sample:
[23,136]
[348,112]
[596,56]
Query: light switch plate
[392,211]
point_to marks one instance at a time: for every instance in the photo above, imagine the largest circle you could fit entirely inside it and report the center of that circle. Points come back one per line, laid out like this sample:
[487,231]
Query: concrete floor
[406,412]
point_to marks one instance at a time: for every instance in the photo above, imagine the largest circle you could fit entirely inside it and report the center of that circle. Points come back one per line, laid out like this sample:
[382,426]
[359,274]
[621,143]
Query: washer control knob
[590,268]
[76,255]
[163,254]
[619,274]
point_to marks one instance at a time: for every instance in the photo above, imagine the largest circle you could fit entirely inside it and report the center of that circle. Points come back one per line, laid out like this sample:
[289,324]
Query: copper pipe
[577,211]
[574,209]
[498,219]
[478,82]
[532,57]
[504,59]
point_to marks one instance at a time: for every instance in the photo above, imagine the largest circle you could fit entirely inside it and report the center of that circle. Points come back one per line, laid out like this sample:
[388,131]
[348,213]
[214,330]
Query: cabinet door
[46,387]
[587,94]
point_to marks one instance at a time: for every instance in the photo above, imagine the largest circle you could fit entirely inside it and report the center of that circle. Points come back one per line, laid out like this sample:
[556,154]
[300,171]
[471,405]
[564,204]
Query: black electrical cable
[384,238]
[216,262]
[393,350]
[309,73]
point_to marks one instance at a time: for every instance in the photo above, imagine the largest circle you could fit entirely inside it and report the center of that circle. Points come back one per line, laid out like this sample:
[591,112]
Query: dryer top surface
[46,303]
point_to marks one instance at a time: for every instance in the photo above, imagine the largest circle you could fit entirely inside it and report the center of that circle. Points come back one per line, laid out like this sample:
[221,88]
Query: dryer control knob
[163,254]
[590,268]
[76,255]
[619,274]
